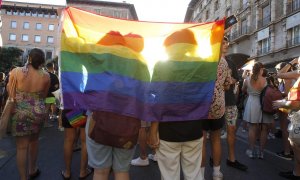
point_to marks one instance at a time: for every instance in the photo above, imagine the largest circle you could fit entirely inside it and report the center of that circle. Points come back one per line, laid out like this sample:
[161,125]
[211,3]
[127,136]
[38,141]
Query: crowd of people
[174,145]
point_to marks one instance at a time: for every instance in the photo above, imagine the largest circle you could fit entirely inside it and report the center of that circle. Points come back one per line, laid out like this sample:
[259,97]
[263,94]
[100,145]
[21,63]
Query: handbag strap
[12,92]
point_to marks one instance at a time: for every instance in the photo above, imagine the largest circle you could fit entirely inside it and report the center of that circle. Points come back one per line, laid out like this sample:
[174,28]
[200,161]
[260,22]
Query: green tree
[9,56]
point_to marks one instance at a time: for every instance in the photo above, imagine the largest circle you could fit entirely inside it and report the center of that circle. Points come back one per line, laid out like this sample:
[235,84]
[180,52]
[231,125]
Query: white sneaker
[217,176]
[224,136]
[250,153]
[271,136]
[152,157]
[140,162]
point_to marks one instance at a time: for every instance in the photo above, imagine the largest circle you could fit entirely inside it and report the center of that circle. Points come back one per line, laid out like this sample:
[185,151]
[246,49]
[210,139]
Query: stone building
[121,10]
[267,30]
[30,25]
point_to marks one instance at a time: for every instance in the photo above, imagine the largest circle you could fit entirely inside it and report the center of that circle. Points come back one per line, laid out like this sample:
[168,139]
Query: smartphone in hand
[231,20]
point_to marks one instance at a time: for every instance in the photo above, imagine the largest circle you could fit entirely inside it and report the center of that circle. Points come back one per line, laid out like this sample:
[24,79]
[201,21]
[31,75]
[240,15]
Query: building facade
[27,25]
[121,10]
[267,30]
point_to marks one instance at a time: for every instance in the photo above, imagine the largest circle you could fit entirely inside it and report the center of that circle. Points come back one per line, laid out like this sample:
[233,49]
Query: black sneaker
[237,165]
[289,175]
[284,156]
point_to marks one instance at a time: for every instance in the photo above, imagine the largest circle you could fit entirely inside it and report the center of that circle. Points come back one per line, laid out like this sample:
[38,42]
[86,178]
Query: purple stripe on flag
[130,106]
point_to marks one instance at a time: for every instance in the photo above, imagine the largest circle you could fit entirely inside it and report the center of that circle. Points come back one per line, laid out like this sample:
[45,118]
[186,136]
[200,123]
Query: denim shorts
[103,157]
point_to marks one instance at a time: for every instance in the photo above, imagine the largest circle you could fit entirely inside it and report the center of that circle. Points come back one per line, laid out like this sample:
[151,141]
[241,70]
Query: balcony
[244,30]
[263,51]
[294,42]
[293,7]
[263,22]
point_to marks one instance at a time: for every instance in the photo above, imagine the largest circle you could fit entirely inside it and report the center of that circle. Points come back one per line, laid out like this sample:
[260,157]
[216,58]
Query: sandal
[88,172]
[34,175]
[64,177]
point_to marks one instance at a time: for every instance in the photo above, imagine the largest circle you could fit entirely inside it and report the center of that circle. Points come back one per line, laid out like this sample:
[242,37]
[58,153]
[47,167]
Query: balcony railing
[244,30]
[264,50]
[293,6]
[293,42]
[263,22]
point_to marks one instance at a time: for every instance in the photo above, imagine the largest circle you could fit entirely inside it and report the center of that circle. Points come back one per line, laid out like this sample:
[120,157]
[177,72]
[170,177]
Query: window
[34,14]
[50,39]
[53,16]
[37,38]
[48,54]
[26,25]
[296,5]
[228,12]
[51,27]
[25,37]
[38,26]
[207,15]
[244,4]
[9,12]
[15,12]
[46,15]
[13,24]
[266,15]
[296,35]
[40,14]
[216,5]
[22,13]
[12,37]
[28,13]
[264,46]
[244,27]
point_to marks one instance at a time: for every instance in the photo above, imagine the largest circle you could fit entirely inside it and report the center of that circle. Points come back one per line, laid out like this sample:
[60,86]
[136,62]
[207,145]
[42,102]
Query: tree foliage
[9,56]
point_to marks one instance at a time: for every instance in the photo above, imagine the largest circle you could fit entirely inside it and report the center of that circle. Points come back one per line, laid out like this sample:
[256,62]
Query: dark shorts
[65,121]
[213,124]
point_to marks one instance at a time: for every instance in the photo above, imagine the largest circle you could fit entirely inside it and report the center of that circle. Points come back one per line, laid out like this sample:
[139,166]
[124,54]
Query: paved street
[50,161]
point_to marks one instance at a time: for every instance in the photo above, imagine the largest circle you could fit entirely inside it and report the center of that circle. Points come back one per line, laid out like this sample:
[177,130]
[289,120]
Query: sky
[147,10]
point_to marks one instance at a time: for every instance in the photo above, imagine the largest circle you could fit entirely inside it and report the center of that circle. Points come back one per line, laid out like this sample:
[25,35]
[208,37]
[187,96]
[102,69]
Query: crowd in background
[237,96]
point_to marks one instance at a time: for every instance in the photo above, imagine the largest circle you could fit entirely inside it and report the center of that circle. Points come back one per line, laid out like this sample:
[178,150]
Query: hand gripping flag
[106,64]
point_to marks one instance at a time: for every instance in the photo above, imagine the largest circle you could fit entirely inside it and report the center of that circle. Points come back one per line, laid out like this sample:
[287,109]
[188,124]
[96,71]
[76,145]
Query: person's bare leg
[231,130]
[22,144]
[101,174]
[68,149]
[285,133]
[33,153]
[204,149]
[121,176]
[263,137]
[143,143]
[252,135]
[84,155]
[215,140]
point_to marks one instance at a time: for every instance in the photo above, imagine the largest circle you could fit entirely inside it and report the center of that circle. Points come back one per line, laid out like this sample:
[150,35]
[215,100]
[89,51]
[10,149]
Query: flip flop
[34,175]
[89,172]
[64,177]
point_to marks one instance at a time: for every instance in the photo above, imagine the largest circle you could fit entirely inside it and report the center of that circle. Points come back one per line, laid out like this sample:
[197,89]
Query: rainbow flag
[76,118]
[106,64]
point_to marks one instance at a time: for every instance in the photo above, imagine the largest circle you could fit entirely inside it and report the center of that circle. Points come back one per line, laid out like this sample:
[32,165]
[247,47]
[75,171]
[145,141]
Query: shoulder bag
[9,107]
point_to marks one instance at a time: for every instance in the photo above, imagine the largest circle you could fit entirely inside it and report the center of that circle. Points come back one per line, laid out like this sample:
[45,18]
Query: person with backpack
[269,94]
[253,113]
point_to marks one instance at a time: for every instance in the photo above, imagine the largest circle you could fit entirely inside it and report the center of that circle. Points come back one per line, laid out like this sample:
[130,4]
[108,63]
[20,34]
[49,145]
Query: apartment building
[121,10]
[29,25]
[267,30]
